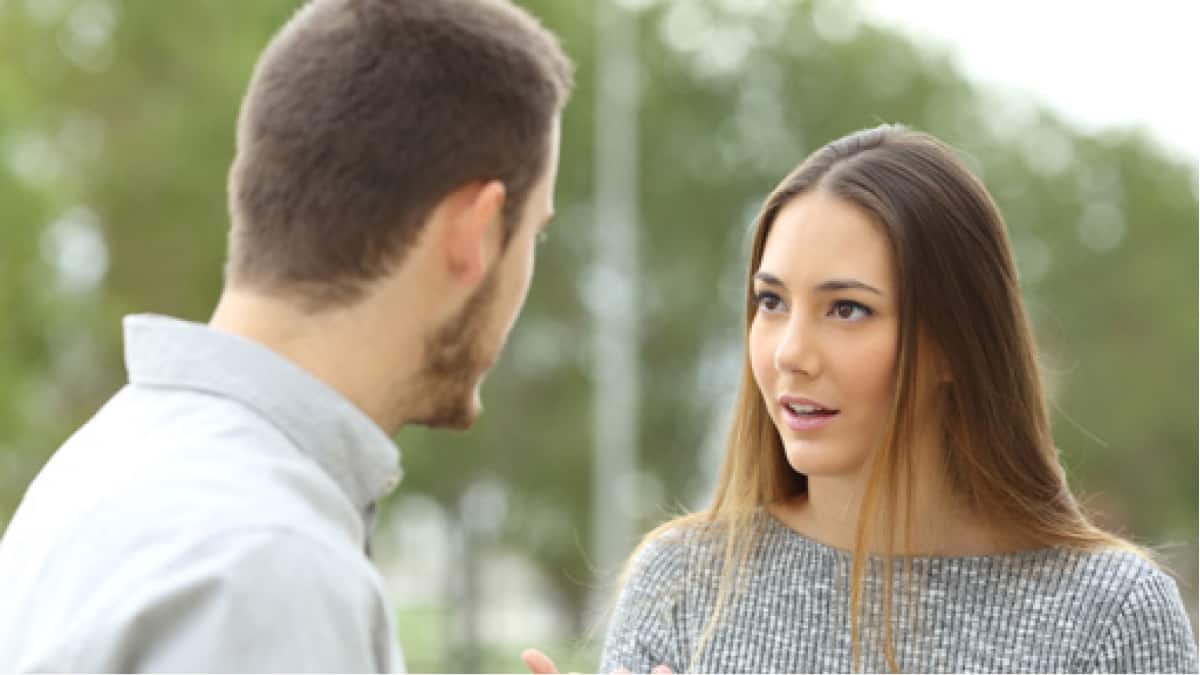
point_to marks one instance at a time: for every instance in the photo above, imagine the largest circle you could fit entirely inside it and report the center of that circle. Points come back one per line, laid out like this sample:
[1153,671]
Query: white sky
[1097,63]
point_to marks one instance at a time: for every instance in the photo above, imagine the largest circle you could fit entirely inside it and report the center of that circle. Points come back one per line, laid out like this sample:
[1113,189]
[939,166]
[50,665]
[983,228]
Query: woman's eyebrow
[825,286]
[769,279]
[846,284]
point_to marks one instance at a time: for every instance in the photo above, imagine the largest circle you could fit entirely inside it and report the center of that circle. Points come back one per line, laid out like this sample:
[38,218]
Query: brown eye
[767,301]
[848,310]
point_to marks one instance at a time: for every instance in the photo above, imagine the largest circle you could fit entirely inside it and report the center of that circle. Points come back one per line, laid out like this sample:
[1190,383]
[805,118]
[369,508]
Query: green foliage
[138,129]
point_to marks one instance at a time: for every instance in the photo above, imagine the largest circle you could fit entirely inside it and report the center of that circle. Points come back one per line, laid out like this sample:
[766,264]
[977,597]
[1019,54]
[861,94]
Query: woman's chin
[814,462]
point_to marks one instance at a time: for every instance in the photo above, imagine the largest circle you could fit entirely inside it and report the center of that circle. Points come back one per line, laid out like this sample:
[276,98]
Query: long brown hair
[958,290]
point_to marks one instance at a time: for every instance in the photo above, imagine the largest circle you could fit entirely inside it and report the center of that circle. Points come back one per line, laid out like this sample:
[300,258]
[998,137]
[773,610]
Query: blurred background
[607,413]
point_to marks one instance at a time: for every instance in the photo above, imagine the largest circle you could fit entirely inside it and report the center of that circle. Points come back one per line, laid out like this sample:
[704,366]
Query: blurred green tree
[116,132]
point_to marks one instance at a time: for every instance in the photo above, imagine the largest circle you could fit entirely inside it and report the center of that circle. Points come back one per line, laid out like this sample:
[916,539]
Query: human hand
[538,663]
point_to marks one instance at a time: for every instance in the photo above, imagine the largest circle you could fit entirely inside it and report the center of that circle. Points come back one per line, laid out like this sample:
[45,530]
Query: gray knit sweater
[1049,610]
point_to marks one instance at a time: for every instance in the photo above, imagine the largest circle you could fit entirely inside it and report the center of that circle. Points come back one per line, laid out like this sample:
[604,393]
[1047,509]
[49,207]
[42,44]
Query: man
[395,165]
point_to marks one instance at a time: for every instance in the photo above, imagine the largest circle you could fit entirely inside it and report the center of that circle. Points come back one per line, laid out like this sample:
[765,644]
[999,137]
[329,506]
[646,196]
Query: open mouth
[808,409]
[807,416]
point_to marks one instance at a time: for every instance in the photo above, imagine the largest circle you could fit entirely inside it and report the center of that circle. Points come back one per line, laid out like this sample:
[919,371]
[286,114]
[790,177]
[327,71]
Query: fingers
[660,669]
[538,662]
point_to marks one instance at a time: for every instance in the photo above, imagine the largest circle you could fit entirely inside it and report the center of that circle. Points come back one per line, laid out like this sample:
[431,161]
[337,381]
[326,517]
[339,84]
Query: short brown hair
[362,114]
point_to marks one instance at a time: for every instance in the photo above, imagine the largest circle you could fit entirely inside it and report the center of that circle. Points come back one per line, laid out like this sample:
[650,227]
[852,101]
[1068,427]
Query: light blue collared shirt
[212,516]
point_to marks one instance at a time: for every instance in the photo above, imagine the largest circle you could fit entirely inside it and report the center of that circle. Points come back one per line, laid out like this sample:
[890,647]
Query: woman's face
[823,337]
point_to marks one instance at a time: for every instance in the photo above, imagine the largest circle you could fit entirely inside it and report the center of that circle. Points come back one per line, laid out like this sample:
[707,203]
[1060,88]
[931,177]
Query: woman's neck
[942,524]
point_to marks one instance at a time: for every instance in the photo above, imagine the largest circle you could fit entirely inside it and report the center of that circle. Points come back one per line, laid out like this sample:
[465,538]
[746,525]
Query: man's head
[368,123]
[465,345]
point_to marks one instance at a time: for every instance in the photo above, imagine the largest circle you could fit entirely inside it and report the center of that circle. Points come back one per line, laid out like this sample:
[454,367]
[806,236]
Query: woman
[891,417]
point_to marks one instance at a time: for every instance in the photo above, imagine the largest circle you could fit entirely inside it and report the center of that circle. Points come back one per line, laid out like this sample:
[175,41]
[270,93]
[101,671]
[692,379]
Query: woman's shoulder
[677,547]
[666,546]
[1124,580]
[1115,567]
[1145,625]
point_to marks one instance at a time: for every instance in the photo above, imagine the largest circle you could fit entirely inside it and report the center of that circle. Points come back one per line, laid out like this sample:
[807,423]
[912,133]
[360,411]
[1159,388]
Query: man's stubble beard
[455,361]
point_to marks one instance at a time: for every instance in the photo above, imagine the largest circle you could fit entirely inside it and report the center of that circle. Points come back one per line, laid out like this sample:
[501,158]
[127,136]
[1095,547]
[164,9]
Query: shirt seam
[1108,633]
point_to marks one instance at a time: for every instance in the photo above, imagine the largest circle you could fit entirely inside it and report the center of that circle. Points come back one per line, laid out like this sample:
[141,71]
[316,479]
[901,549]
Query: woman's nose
[796,351]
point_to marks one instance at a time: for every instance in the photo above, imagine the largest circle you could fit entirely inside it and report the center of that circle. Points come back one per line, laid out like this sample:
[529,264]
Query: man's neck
[343,347]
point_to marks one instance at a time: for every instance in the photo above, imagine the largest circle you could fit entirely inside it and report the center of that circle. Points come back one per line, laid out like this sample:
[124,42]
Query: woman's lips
[809,422]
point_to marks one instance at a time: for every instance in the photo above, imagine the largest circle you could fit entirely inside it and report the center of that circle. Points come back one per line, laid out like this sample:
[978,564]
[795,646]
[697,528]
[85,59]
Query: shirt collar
[323,424]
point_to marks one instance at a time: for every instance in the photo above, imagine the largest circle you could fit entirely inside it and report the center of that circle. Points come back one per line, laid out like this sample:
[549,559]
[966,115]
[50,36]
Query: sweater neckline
[775,524]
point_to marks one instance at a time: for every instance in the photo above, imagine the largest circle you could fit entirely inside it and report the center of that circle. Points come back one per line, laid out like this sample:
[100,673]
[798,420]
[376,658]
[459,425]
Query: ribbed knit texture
[1049,610]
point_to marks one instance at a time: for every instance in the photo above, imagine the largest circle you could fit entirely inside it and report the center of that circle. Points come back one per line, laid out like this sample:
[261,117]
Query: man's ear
[471,234]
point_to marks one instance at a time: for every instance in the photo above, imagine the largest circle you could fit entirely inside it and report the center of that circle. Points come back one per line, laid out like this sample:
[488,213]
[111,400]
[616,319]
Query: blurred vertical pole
[614,283]
[462,595]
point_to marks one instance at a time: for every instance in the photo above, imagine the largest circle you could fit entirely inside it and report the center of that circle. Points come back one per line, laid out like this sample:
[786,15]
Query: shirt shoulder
[1109,578]
[662,558]
[647,627]
[263,599]
[135,547]
[1146,626]
[154,464]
